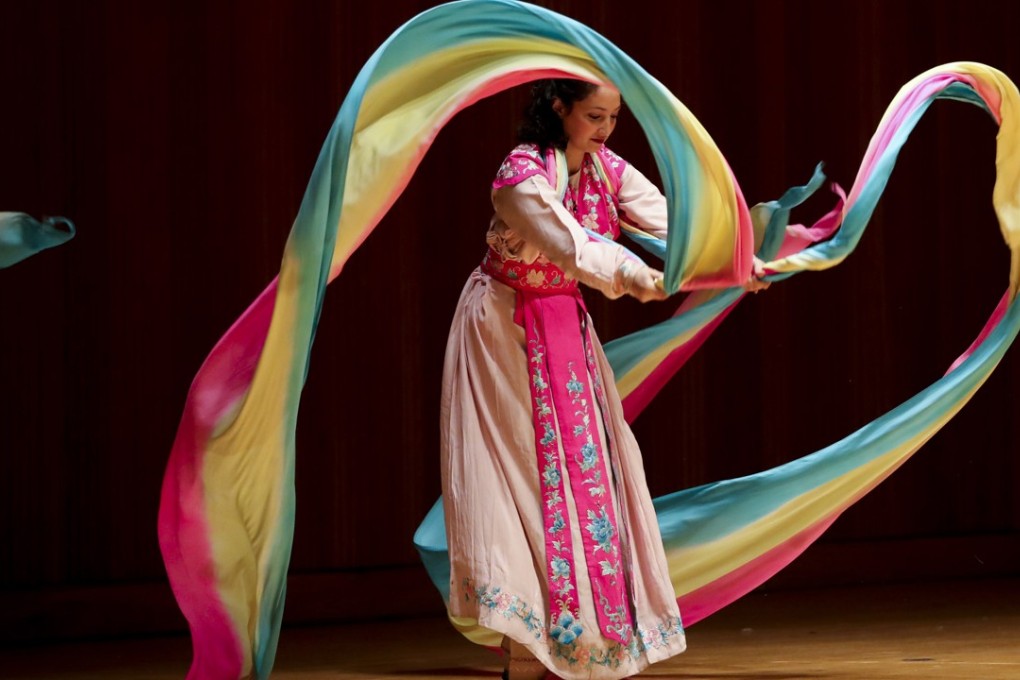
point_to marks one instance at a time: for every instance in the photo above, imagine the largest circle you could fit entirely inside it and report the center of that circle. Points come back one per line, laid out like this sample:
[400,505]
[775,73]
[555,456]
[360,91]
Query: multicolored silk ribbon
[22,236]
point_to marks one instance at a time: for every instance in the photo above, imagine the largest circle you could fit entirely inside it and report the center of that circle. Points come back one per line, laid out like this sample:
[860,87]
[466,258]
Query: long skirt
[493,503]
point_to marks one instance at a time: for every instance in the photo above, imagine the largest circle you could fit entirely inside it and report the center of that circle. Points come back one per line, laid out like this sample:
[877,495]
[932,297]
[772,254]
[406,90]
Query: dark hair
[541,124]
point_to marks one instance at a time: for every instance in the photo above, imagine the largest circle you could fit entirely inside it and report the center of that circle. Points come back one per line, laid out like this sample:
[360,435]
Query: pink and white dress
[552,537]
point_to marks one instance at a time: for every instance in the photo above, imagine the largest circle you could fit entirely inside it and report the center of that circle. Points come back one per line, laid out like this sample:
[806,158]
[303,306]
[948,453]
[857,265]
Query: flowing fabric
[227,508]
[22,236]
[724,539]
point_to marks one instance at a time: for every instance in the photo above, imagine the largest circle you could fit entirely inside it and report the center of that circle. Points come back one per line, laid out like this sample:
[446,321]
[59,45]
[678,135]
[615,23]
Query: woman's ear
[558,107]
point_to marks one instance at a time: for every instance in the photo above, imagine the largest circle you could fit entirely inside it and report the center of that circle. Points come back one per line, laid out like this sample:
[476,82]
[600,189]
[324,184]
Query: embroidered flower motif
[557,523]
[506,605]
[600,529]
[525,160]
[535,278]
[589,455]
[506,171]
[549,435]
[566,629]
[591,222]
[652,638]
[551,476]
[503,602]
[560,568]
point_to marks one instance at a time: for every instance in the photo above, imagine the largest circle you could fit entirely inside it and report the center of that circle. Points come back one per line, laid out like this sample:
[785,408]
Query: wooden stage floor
[967,630]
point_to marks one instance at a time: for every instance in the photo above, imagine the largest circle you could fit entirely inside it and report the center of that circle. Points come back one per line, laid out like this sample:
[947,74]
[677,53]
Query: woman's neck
[574,158]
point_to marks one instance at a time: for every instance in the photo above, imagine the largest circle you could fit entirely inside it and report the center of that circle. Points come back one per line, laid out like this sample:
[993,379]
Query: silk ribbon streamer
[22,236]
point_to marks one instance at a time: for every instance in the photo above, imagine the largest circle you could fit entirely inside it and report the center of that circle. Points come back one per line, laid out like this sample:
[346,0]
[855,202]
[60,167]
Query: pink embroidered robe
[492,477]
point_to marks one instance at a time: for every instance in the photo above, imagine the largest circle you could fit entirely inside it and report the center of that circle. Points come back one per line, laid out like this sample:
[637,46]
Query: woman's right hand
[646,285]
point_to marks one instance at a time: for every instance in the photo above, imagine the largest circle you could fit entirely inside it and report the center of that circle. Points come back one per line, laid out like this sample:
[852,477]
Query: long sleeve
[641,203]
[533,214]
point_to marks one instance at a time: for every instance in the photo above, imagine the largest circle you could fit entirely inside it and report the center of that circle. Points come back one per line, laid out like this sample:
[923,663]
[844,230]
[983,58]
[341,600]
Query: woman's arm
[532,210]
[641,203]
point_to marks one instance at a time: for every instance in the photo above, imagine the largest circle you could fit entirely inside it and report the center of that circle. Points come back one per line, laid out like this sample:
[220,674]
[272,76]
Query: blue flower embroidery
[589,455]
[558,523]
[549,437]
[551,476]
[566,629]
[601,529]
[560,568]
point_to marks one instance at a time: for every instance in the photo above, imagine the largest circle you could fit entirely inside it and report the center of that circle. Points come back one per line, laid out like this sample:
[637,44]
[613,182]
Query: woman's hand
[646,284]
[755,283]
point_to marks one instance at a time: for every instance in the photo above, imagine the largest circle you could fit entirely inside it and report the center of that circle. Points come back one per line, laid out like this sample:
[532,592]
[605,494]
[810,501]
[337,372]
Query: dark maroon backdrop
[179,138]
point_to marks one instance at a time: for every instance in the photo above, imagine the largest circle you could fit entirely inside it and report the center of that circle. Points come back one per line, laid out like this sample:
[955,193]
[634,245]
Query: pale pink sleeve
[641,203]
[532,211]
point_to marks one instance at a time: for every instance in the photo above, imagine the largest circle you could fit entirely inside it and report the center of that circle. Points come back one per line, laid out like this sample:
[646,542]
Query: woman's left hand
[755,283]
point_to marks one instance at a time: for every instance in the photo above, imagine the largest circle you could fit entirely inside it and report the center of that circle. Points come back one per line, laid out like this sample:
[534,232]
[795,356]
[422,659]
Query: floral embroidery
[550,434]
[551,475]
[506,605]
[589,455]
[560,569]
[557,524]
[601,529]
[615,162]
[652,638]
[575,387]
[564,634]
[540,275]
[523,162]
[535,278]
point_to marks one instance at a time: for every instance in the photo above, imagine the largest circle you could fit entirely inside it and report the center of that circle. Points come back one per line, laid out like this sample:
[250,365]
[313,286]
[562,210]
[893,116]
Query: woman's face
[590,121]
